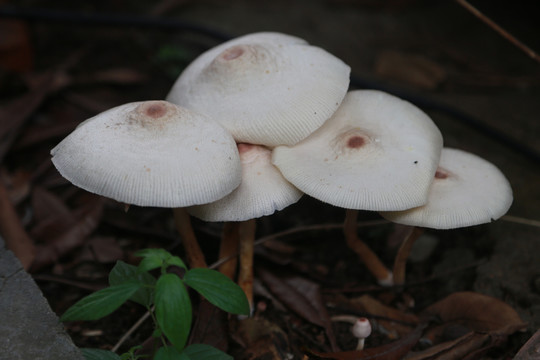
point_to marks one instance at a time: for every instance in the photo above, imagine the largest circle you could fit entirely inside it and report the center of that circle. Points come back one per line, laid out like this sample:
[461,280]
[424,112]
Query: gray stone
[29,330]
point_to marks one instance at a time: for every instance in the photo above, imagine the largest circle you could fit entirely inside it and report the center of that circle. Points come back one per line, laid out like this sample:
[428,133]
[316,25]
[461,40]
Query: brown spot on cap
[153,109]
[441,174]
[355,142]
[232,53]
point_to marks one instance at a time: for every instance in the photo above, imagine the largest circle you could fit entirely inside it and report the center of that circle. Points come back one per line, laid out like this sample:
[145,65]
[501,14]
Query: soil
[478,87]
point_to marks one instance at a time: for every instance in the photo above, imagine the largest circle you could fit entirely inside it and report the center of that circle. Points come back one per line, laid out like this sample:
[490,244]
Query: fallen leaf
[451,350]
[19,110]
[395,350]
[46,205]
[477,312]
[303,297]
[210,326]
[261,339]
[88,217]
[394,321]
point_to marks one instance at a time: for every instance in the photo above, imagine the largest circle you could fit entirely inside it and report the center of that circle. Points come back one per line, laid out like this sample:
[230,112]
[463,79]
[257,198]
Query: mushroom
[361,330]
[377,152]
[262,192]
[152,153]
[265,88]
[466,190]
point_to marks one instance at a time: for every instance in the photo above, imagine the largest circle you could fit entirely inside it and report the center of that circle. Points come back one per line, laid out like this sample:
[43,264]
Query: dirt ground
[480,89]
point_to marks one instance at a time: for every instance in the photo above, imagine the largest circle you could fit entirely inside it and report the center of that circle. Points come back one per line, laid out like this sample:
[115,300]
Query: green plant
[166,298]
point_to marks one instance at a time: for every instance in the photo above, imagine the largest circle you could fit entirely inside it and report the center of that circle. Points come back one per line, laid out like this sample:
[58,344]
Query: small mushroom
[151,153]
[466,190]
[265,88]
[361,330]
[377,152]
[262,192]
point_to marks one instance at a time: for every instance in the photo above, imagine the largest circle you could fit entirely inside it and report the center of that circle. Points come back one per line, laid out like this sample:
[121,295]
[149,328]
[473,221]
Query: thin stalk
[246,233]
[194,255]
[400,262]
[368,257]
[229,249]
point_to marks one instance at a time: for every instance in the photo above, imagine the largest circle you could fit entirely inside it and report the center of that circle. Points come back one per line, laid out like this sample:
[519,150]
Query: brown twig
[531,53]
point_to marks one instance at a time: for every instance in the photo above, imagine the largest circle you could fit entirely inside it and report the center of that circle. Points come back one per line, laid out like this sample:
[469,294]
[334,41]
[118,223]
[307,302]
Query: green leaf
[168,353]
[173,309]
[123,273]
[204,352]
[175,260]
[155,258]
[99,354]
[218,289]
[154,252]
[149,263]
[101,303]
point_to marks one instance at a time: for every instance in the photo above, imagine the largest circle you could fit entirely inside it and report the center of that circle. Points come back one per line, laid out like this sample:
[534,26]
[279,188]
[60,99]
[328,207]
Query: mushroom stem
[194,254]
[400,261]
[246,233]
[229,249]
[370,259]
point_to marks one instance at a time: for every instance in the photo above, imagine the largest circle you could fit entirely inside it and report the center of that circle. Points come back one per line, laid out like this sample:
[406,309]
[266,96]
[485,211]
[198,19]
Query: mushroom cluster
[254,123]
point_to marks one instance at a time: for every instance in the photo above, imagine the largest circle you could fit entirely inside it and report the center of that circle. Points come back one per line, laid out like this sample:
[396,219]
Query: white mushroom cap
[262,192]
[467,190]
[151,153]
[361,328]
[267,88]
[377,152]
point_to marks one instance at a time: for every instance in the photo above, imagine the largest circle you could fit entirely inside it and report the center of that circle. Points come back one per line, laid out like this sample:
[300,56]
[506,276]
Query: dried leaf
[392,351]
[312,291]
[261,339]
[210,326]
[88,218]
[291,297]
[397,318]
[104,249]
[46,205]
[478,312]
[451,350]
[20,109]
